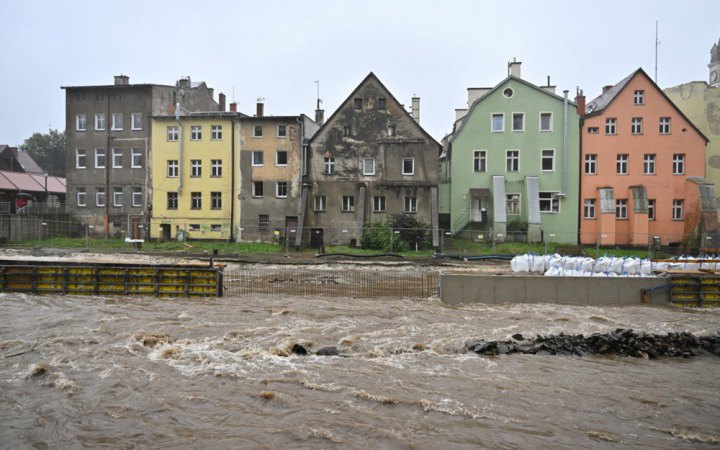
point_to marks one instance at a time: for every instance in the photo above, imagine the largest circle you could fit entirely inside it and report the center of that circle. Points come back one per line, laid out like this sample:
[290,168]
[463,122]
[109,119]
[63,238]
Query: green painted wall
[475,134]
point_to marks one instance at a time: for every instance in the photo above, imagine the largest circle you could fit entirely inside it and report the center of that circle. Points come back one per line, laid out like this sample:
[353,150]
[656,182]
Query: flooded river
[216,373]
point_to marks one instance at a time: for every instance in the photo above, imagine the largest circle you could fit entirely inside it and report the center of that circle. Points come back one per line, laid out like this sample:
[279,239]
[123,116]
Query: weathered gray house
[107,147]
[370,160]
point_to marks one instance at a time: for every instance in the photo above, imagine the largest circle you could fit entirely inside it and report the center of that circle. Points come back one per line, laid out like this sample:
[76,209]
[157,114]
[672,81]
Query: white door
[477,206]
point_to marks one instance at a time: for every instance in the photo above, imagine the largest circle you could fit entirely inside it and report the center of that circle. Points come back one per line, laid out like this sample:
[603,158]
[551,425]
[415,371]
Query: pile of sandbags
[582,266]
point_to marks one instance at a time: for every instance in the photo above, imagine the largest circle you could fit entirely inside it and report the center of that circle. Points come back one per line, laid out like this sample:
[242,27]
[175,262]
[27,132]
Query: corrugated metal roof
[27,182]
[5,184]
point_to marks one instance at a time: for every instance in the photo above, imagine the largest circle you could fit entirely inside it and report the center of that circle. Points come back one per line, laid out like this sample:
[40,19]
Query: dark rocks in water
[328,351]
[623,342]
[298,349]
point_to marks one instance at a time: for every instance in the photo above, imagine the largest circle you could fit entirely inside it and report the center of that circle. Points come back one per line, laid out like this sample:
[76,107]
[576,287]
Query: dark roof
[600,103]
[24,160]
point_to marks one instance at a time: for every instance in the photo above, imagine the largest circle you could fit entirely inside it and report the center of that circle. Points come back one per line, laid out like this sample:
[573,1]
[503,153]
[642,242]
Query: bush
[382,235]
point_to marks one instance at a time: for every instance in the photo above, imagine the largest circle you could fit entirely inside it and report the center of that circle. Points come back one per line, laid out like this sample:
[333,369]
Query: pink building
[642,167]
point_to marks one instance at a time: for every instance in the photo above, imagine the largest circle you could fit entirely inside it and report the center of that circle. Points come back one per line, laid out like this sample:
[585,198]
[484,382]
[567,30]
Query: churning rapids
[98,372]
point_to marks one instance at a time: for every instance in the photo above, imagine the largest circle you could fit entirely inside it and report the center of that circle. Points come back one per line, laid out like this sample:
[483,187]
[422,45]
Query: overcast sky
[278,49]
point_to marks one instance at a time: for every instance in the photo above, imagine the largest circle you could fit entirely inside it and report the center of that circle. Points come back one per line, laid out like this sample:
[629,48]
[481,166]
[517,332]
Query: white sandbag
[646,267]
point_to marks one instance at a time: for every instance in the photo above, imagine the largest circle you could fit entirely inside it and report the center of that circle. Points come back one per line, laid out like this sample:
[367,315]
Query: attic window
[391,130]
[358,103]
[508,92]
[381,103]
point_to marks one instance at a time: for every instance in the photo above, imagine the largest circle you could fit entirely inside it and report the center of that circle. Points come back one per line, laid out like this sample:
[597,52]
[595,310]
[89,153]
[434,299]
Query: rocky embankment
[619,342]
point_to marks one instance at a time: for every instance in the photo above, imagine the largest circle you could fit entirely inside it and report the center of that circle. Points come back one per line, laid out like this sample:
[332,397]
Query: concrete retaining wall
[593,291]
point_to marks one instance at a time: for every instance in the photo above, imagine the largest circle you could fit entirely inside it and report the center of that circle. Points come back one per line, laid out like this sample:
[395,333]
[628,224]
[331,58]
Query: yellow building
[193,161]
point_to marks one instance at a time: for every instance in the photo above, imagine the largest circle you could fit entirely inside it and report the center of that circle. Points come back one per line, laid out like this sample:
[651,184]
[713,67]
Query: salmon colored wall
[663,186]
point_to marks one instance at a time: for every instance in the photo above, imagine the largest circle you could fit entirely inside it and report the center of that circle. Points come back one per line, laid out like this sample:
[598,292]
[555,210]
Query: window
[678,164]
[319,203]
[610,125]
[639,97]
[636,125]
[651,209]
[546,121]
[100,196]
[117,121]
[196,132]
[282,131]
[479,160]
[368,166]
[497,122]
[382,103]
[347,131]
[117,196]
[136,121]
[172,200]
[257,187]
[216,227]
[664,125]
[379,203]
[281,188]
[99,158]
[621,208]
[136,158]
[408,166]
[80,122]
[410,204]
[216,165]
[621,164]
[281,158]
[263,222]
[358,103]
[258,158]
[512,160]
[172,133]
[589,208]
[172,168]
[329,166]
[547,163]
[117,158]
[512,204]
[649,164]
[195,168]
[508,92]
[518,121]
[137,196]
[549,202]
[196,200]
[391,130]
[216,132]
[590,164]
[193,227]
[677,211]
[80,158]
[348,203]
[216,200]
[100,122]
[593,130]
[257,131]
[81,195]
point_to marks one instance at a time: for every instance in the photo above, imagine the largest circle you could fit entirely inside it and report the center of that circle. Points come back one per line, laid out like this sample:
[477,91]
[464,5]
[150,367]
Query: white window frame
[80,155]
[553,199]
[137,196]
[639,97]
[216,132]
[329,165]
[81,196]
[410,204]
[348,203]
[196,132]
[255,193]
[117,196]
[664,125]
[216,168]
[117,121]
[100,122]
[379,204]
[621,209]
[319,203]
[649,160]
[80,122]
[412,166]
[540,127]
[636,125]
[368,163]
[262,158]
[195,168]
[136,121]
[677,209]
[277,158]
[591,163]
[283,134]
[622,164]
[492,122]
[514,200]
[172,168]
[480,161]
[285,187]
[589,208]
[172,201]
[194,227]
[652,209]
[678,164]
[100,194]
[513,160]
[100,152]
[543,158]
[172,133]
[117,153]
[136,155]
[522,115]
[216,200]
[196,200]
[611,126]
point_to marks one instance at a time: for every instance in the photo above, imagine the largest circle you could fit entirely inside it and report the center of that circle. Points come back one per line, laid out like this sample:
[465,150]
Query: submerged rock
[298,349]
[328,351]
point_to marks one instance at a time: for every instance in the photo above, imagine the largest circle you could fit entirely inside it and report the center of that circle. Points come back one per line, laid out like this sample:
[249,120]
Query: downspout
[303,150]
[232,180]
[180,160]
[565,142]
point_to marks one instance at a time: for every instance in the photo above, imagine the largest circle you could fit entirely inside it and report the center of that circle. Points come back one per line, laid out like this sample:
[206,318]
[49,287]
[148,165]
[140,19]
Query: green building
[510,168]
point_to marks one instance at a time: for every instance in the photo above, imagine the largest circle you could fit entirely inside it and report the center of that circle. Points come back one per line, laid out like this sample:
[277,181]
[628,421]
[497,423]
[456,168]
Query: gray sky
[277,49]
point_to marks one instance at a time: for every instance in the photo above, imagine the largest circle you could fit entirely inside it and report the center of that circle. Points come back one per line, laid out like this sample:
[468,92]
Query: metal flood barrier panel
[161,281]
[700,289]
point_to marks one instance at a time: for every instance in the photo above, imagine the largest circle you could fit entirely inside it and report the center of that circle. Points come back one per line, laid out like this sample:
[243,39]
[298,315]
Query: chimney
[319,116]
[233,107]
[580,100]
[183,82]
[514,68]
[607,88]
[416,109]
[549,88]
[260,109]
[122,80]
[221,101]
[211,91]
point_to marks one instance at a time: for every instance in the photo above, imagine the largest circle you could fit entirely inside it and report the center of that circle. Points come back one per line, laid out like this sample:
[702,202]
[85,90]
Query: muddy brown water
[215,373]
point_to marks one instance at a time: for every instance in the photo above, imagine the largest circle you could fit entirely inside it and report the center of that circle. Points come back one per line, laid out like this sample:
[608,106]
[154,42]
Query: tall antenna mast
[656,49]
[318,94]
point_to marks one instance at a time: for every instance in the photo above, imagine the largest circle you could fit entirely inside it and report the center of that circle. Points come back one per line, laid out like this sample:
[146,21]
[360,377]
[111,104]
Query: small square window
[639,97]
[282,131]
[281,158]
[358,103]
[549,202]
[194,227]
[593,130]
[408,166]
[258,158]
[257,131]
[281,189]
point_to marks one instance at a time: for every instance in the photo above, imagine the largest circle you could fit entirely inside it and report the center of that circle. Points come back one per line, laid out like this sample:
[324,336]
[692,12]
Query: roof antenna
[657,42]
[318,94]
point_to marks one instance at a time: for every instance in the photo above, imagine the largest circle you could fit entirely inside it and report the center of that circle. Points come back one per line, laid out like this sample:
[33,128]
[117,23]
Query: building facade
[369,161]
[511,163]
[643,167]
[108,146]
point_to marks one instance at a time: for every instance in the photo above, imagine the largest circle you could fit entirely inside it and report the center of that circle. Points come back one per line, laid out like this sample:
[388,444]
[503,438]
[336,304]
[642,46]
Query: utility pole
[657,42]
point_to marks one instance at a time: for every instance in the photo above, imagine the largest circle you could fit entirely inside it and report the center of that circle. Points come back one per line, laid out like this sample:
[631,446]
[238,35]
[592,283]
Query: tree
[48,150]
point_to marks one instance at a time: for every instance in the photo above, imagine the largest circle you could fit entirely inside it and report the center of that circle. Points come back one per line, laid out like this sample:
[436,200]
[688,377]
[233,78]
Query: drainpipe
[180,160]
[565,142]
[303,151]
[232,180]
